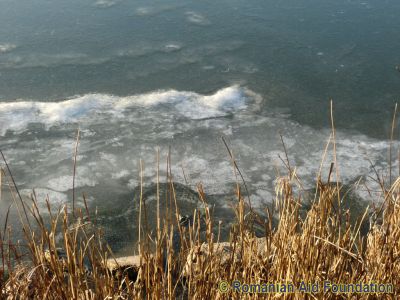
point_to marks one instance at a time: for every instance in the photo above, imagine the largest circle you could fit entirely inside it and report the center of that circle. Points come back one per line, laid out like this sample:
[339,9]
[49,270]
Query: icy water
[136,76]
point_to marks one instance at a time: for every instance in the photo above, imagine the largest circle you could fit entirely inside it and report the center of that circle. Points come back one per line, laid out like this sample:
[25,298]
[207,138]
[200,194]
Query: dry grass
[322,246]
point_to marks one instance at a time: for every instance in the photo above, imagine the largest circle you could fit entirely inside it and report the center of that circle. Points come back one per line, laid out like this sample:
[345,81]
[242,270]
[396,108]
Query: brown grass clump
[322,246]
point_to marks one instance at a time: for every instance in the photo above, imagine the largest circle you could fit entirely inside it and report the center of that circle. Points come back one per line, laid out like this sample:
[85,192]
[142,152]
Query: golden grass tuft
[321,246]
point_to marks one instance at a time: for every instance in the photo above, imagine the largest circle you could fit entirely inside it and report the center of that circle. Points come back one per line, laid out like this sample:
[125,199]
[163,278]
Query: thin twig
[240,173]
[391,143]
[287,157]
[74,174]
[16,188]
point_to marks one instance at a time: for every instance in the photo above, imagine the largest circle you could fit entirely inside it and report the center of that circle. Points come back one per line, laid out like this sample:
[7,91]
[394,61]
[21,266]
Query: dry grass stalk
[322,246]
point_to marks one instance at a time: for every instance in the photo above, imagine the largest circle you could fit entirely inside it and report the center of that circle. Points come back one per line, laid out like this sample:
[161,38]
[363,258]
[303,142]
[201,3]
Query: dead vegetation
[322,246]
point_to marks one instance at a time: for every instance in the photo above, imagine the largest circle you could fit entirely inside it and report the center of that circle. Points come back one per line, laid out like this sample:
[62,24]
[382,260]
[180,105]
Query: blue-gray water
[138,75]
